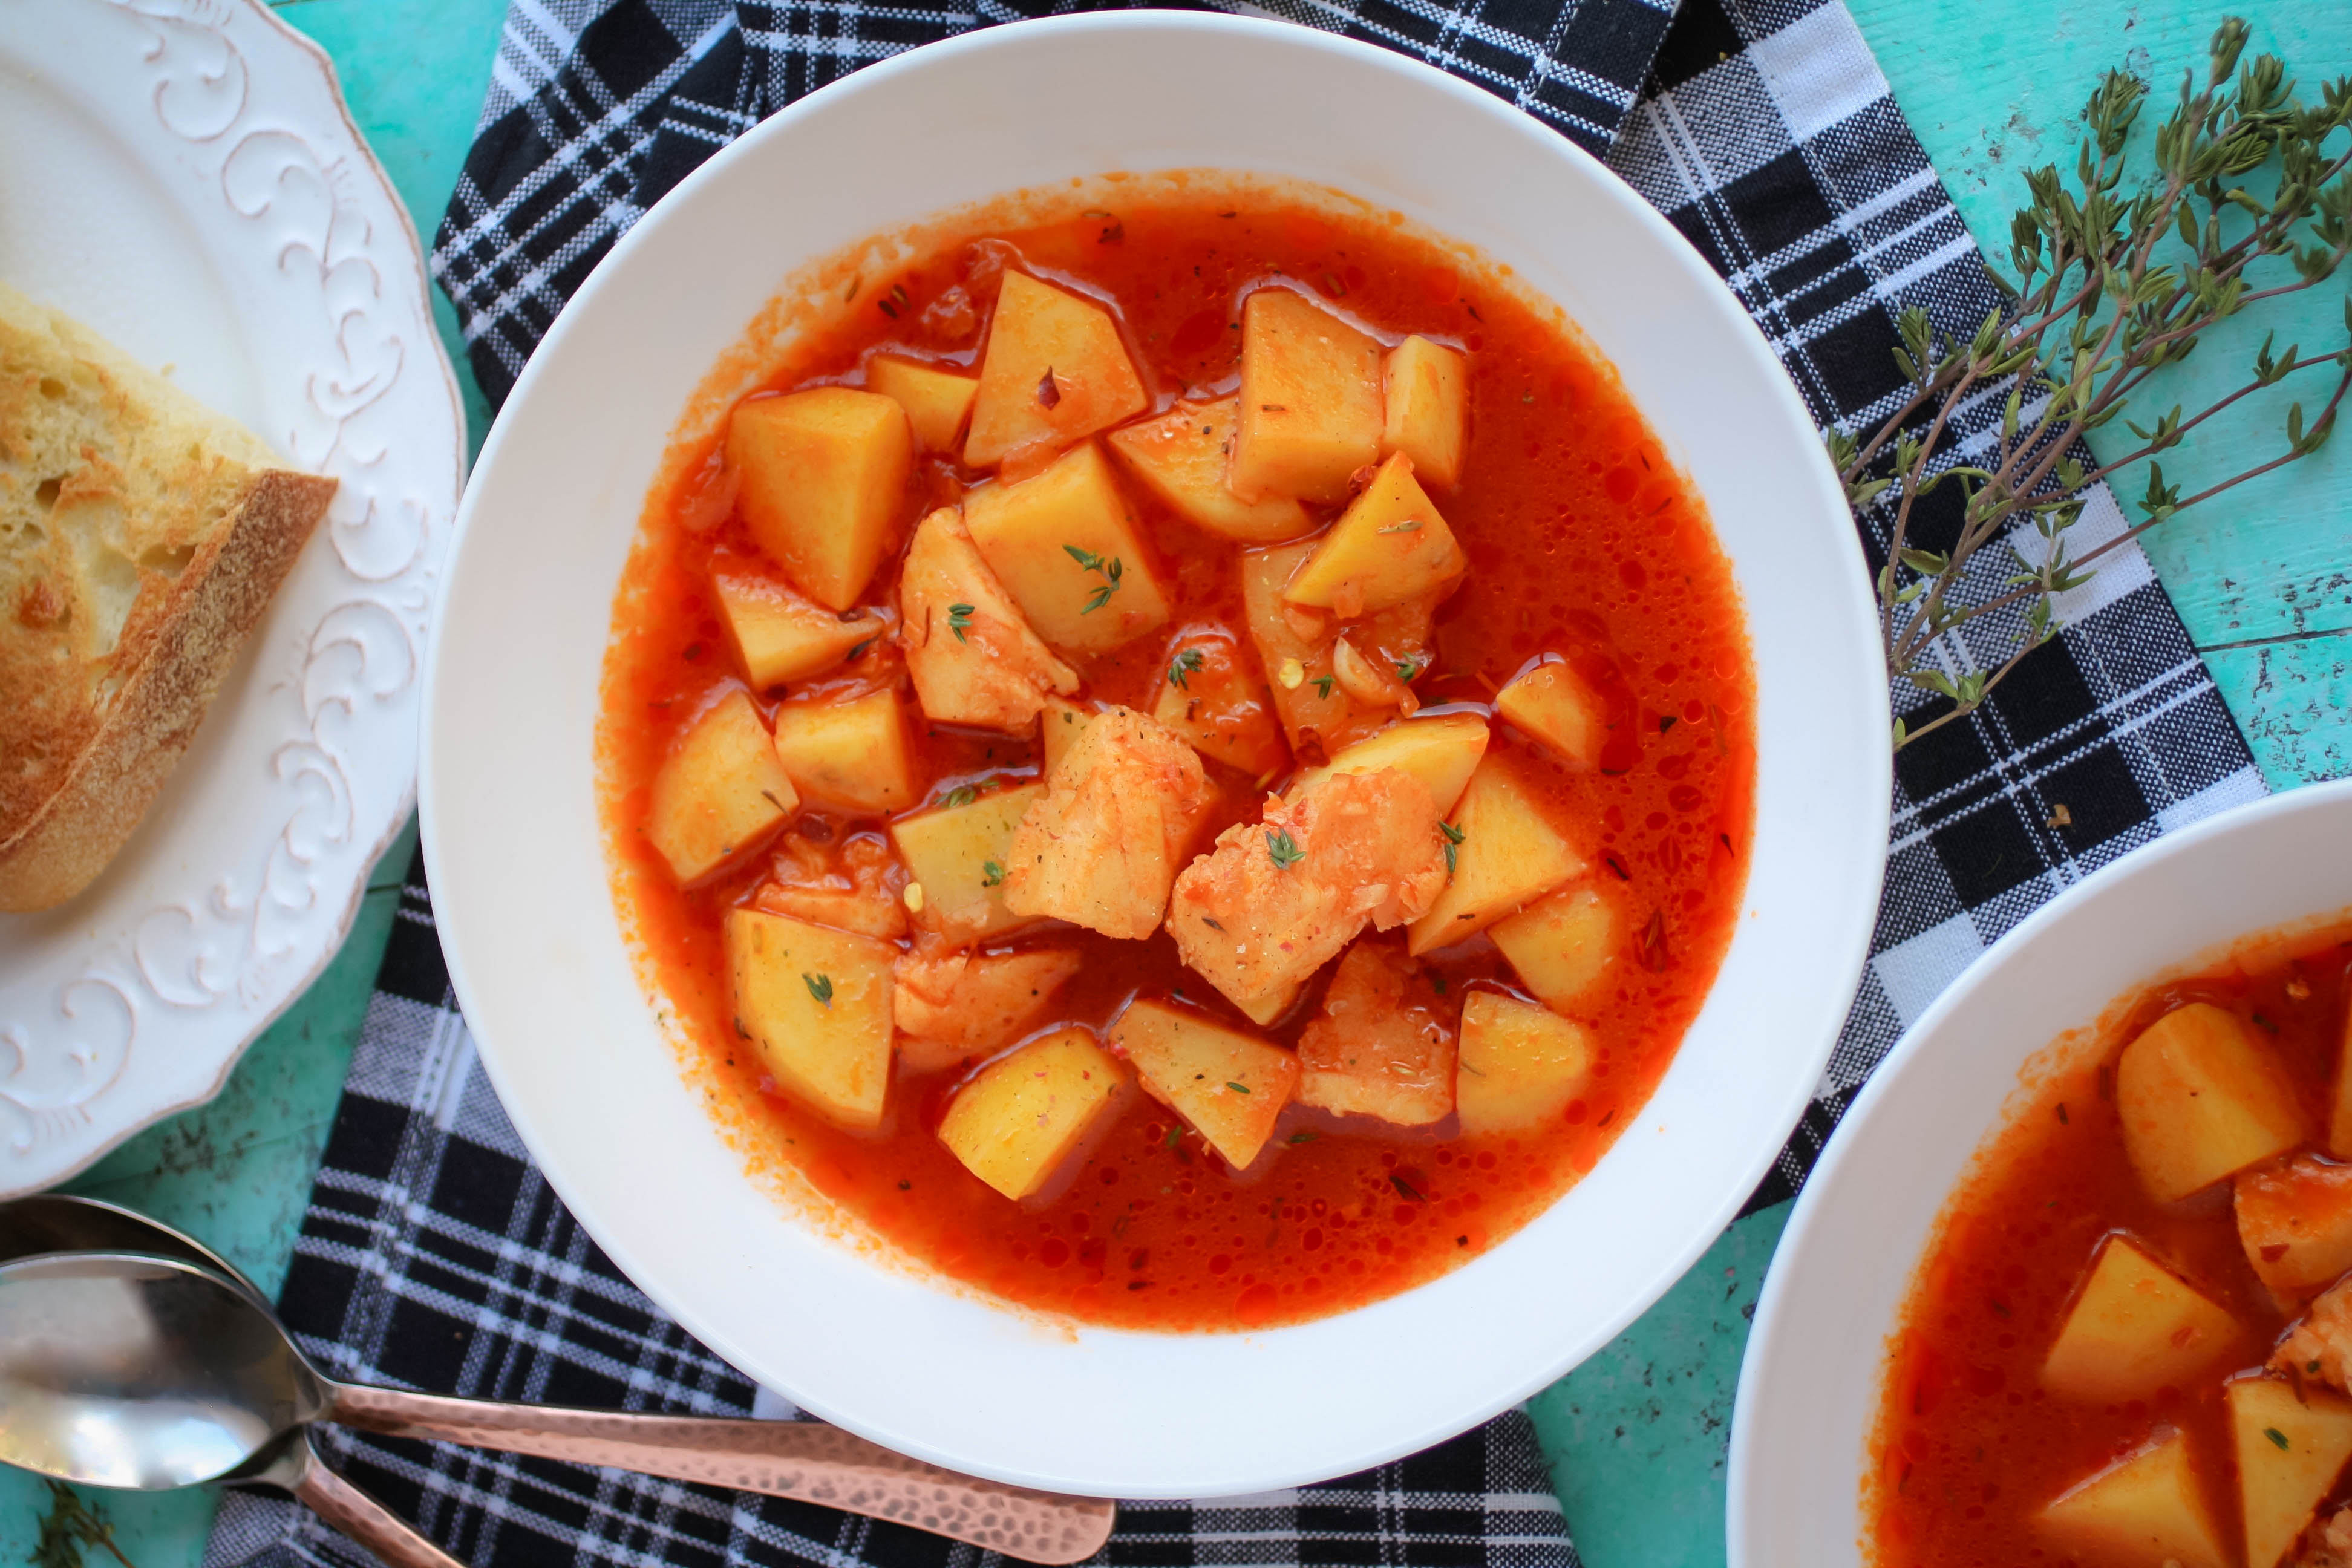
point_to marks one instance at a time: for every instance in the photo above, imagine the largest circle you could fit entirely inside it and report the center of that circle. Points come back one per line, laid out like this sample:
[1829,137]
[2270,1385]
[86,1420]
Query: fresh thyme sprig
[71,1528]
[2111,287]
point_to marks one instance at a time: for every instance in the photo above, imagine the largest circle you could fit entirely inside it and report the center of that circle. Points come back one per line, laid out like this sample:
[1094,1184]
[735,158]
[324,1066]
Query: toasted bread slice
[142,535]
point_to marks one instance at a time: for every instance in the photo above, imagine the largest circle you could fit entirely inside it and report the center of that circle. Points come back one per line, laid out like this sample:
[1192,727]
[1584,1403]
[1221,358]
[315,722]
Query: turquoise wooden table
[1636,1436]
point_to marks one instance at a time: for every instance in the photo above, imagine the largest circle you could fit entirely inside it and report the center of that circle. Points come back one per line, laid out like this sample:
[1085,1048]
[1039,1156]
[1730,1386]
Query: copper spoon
[806,1460]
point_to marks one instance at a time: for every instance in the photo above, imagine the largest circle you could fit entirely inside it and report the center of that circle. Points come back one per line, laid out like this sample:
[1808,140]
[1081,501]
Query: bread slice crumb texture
[142,535]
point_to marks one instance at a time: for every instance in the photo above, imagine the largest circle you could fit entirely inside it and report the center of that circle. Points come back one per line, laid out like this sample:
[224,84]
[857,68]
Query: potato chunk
[1425,394]
[1311,408]
[1065,546]
[936,399]
[1508,855]
[1054,372]
[719,792]
[1210,693]
[816,1006]
[972,656]
[1021,1122]
[1180,458]
[2339,1109]
[2135,1327]
[1441,751]
[2291,1445]
[2141,1511]
[853,756]
[1318,718]
[959,856]
[1520,1063]
[1381,1047]
[1389,546]
[2295,1223]
[1277,899]
[1101,849]
[779,636]
[1553,704]
[822,476]
[1561,945]
[1230,1087]
[2201,1099]
[1057,725]
[951,1004]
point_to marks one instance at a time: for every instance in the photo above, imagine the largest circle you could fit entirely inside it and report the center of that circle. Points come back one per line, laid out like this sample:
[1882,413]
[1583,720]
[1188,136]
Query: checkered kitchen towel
[432,1254]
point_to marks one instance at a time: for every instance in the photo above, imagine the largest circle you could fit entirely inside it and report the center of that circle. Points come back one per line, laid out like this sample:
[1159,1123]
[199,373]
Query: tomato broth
[1971,1444]
[1582,540]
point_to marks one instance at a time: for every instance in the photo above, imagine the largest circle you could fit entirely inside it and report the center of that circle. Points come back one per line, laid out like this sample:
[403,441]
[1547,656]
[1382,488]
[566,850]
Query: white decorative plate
[183,175]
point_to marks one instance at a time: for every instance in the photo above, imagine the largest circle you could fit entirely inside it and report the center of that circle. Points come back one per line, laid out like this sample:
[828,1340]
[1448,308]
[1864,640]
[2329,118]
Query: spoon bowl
[141,1372]
[805,1461]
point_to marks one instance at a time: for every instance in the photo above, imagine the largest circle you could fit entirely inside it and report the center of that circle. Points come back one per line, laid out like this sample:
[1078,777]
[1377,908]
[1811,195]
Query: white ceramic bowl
[510,826]
[1809,1388]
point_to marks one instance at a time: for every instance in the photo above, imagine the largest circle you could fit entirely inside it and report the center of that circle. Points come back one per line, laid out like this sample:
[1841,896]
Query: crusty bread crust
[72,836]
[142,535]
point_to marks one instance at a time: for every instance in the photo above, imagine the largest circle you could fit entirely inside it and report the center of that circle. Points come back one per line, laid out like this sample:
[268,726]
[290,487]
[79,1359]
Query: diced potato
[971,656]
[1020,1122]
[2295,1223]
[1279,898]
[1067,548]
[1038,332]
[2339,1113]
[1552,703]
[1507,856]
[1520,1063]
[963,1004]
[855,756]
[1118,818]
[720,792]
[1442,752]
[1425,392]
[1389,546]
[2135,1327]
[816,1006]
[936,399]
[1230,1087]
[2291,1445]
[1210,693]
[2201,1099]
[823,475]
[1561,945]
[1057,725]
[1264,1007]
[780,636]
[1310,410]
[2142,1511]
[853,889]
[1317,717]
[1381,1047]
[1181,457]
[959,856]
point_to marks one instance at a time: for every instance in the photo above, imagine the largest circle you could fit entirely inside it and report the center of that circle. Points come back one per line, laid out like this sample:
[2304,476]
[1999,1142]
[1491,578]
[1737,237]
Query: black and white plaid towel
[434,1255]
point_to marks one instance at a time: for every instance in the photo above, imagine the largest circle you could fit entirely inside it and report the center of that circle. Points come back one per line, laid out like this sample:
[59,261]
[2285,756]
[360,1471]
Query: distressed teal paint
[1636,1435]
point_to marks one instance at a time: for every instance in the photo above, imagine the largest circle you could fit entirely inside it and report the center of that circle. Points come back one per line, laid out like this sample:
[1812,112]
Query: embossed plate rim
[307,762]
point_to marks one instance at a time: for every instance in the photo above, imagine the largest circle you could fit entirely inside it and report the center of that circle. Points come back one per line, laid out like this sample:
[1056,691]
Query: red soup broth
[1968,1446]
[1583,539]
